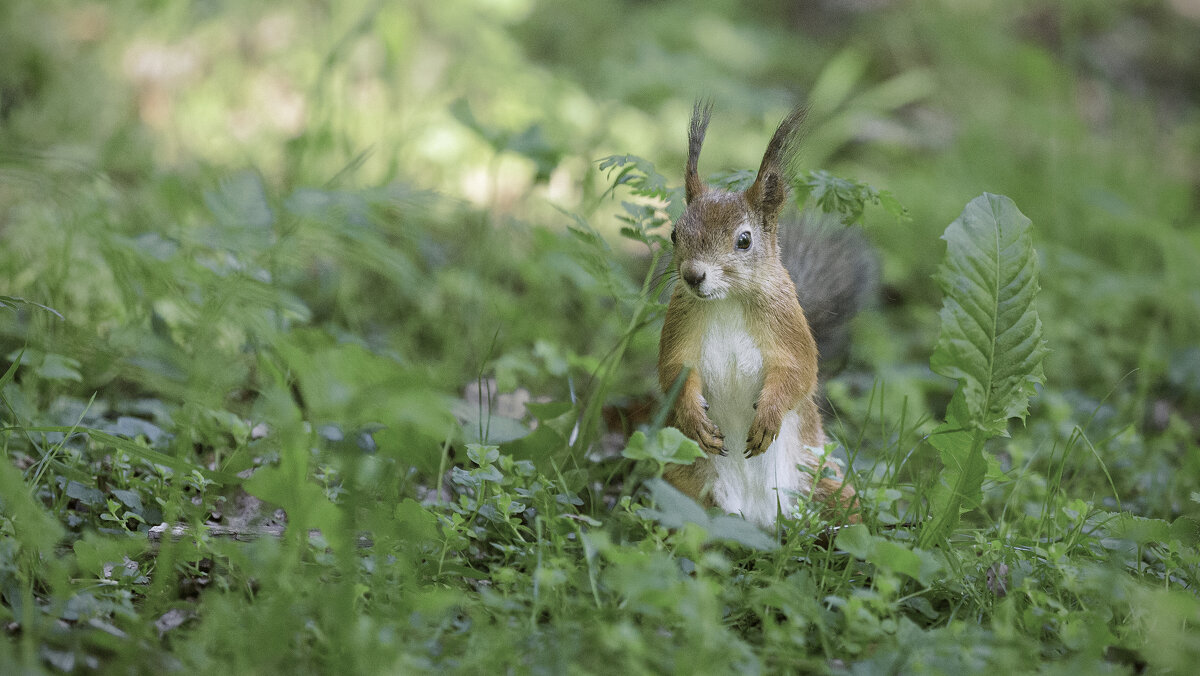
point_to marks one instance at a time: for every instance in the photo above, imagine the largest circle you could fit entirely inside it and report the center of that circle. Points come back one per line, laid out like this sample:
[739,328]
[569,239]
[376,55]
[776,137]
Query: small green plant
[845,197]
[991,341]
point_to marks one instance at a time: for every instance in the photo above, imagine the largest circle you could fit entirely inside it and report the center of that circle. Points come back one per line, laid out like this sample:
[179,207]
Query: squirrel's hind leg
[694,480]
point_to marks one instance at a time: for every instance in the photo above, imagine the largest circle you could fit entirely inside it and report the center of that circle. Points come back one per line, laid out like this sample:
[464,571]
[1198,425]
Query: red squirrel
[735,321]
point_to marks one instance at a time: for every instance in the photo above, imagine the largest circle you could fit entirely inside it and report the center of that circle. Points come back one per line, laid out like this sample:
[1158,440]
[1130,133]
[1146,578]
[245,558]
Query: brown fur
[693,186]
[757,279]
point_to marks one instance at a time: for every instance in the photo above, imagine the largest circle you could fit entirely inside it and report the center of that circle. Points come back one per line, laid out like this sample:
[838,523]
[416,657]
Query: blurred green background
[350,215]
[459,133]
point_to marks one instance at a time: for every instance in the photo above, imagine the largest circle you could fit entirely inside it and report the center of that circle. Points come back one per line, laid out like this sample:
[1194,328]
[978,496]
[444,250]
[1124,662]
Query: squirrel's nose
[693,276]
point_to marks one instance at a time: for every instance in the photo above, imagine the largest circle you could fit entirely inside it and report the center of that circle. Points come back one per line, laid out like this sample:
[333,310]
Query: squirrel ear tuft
[769,191]
[701,112]
[768,194]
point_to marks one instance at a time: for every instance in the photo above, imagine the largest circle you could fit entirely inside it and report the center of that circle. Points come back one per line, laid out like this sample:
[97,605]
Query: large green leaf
[991,341]
[991,336]
[667,446]
[916,563]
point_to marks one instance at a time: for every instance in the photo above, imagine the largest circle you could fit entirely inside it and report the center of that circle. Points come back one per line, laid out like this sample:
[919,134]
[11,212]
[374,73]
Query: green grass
[363,264]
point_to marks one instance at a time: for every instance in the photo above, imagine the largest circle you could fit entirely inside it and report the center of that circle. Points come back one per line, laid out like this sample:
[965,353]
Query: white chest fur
[731,369]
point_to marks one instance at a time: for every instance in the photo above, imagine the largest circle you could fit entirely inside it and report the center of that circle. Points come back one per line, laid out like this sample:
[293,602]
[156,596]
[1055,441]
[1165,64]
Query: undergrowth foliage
[325,347]
[424,530]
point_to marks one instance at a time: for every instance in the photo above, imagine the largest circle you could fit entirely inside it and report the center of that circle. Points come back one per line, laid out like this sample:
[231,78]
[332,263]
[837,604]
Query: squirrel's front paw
[763,431]
[697,426]
[710,438]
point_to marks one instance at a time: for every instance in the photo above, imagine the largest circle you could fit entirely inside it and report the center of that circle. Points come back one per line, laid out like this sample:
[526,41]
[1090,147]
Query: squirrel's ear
[768,194]
[693,186]
[769,191]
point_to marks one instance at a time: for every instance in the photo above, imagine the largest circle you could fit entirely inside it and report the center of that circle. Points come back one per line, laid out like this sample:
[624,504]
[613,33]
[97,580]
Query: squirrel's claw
[758,447]
[713,446]
[762,434]
[692,419]
[705,433]
[708,429]
[714,441]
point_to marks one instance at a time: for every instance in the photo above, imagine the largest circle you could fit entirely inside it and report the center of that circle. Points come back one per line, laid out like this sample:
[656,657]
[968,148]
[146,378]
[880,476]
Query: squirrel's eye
[672,236]
[743,241]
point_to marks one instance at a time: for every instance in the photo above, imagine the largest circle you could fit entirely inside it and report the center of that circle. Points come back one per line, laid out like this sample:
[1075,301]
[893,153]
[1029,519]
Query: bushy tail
[836,273]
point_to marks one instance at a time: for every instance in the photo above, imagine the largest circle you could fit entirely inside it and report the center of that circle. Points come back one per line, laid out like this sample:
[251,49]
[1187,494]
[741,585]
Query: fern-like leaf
[991,341]
[991,336]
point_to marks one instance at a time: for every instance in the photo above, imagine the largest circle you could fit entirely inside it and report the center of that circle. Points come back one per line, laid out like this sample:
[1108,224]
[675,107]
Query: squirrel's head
[725,242]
